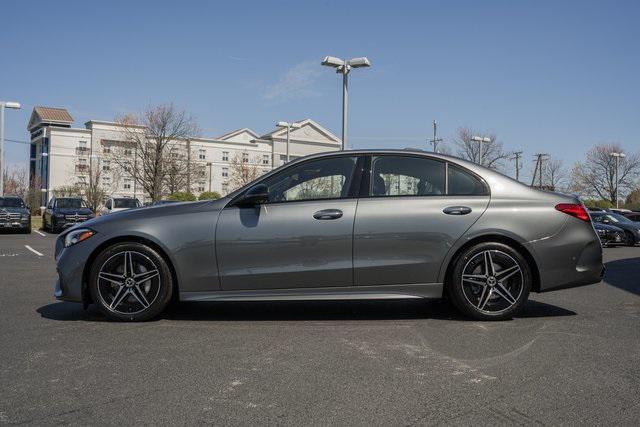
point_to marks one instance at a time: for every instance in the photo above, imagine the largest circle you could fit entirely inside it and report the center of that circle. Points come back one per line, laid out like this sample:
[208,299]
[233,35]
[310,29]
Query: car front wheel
[130,282]
[490,281]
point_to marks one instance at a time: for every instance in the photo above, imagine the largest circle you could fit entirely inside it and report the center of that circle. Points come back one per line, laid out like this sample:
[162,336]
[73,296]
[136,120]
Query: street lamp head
[332,61]
[14,105]
[485,139]
[359,62]
[476,139]
[614,154]
[282,124]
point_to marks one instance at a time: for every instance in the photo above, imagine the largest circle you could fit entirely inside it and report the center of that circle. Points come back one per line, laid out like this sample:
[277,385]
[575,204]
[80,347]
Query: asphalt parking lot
[572,358]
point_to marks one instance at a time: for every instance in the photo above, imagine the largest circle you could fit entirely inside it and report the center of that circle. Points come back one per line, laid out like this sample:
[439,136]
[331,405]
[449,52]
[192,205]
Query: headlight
[25,216]
[77,236]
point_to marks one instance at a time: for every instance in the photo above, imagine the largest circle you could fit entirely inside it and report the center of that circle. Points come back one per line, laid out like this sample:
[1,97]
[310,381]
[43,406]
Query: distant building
[62,155]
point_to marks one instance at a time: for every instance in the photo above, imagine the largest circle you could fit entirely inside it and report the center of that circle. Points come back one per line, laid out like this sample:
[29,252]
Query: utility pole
[516,157]
[617,157]
[435,139]
[540,157]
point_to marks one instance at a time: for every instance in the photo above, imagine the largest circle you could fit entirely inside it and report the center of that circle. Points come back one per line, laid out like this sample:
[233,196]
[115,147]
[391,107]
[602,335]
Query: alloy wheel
[128,282]
[492,281]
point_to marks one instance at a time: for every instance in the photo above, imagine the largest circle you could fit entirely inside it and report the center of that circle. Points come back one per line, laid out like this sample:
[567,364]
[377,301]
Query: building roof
[230,135]
[309,124]
[49,115]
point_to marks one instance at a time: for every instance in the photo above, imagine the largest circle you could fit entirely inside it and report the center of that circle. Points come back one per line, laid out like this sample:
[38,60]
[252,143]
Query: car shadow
[624,274]
[301,311]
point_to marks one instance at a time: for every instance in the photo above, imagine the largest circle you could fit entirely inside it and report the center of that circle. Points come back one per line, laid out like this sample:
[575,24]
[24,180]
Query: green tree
[633,200]
[209,195]
[182,196]
[595,203]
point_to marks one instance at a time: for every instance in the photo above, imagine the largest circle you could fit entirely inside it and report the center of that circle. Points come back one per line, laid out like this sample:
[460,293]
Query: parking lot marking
[40,233]
[33,250]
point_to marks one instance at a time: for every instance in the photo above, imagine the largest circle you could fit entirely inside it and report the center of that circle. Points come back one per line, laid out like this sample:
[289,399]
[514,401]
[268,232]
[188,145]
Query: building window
[106,182]
[127,184]
[82,161]
[82,147]
[245,157]
[106,165]
[265,159]
[225,188]
[225,172]
[202,154]
[106,149]
[201,186]
[225,156]
[128,152]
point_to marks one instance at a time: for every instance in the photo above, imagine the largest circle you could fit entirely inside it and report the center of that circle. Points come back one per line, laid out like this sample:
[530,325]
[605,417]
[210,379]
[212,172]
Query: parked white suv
[116,204]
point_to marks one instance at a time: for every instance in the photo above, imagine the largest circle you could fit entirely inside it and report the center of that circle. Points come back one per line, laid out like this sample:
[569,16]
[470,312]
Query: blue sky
[555,76]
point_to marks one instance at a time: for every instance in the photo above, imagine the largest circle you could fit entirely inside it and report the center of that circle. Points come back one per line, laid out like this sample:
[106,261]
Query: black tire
[630,240]
[27,230]
[44,224]
[156,291]
[496,299]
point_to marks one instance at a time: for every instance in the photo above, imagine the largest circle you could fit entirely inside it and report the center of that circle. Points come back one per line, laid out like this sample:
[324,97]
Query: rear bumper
[571,258]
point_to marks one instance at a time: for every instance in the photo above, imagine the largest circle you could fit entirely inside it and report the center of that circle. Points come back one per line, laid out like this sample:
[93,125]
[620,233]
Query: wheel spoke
[128,264]
[507,272]
[147,275]
[484,297]
[123,291]
[504,293]
[139,295]
[110,277]
[489,268]
[472,279]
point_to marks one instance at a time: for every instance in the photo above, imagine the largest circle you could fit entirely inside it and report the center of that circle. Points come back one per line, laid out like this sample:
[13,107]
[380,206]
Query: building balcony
[82,151]
[82,168]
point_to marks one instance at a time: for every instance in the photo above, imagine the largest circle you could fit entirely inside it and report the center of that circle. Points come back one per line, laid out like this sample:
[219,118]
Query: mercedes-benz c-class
[385,224]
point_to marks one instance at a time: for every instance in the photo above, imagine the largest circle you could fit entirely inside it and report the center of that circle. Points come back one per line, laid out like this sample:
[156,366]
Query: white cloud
[297,83]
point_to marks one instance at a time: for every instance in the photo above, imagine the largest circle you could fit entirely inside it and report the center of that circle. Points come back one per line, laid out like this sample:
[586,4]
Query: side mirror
[256,195]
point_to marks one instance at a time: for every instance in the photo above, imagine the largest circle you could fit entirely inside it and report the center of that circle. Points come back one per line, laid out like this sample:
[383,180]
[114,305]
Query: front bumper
[14,224]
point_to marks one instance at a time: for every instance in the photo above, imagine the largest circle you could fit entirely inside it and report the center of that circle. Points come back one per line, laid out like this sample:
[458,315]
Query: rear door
[412,212]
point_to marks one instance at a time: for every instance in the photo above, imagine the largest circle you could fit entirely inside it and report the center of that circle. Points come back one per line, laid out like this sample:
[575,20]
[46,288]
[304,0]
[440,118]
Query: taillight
[575,210]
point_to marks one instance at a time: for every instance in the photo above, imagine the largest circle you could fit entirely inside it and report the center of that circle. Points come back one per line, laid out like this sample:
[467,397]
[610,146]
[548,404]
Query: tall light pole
[617,156]
[480,141]
[3,105]
[288,126]
[343,67]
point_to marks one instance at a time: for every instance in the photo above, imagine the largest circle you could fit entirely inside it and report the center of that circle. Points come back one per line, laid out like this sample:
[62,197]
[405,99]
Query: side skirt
[423,290]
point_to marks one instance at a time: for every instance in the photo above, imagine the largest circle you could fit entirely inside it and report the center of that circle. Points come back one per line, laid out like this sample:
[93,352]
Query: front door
[302,237]
[412,217]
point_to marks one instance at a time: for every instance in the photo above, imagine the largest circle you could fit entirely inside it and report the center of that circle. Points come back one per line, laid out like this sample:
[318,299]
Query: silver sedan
[350,225]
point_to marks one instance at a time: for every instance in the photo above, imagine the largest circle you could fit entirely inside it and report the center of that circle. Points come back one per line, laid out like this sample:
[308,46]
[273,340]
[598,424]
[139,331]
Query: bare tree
[243,171]
[596,176]
[554,174]
[493,153]
[16,181]
[92,190]
[145,153]
[181,168]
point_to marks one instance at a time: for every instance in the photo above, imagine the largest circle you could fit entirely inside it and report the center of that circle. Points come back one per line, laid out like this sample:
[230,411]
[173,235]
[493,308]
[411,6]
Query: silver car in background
[381,224]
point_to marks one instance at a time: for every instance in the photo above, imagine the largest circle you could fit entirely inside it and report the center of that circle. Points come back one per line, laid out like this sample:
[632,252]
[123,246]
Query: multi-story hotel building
[63,155]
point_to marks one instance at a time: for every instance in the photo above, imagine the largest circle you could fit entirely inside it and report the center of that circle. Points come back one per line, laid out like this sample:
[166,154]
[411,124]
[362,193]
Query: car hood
[68,211]
[148,213]
[13,210]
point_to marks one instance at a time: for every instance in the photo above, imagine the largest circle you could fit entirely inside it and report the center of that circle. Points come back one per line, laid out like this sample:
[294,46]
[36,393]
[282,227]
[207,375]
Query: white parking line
[40,233]
[33,250]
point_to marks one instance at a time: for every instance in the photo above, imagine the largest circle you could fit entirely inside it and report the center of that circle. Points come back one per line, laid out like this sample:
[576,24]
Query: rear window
[125,203]
[463,183]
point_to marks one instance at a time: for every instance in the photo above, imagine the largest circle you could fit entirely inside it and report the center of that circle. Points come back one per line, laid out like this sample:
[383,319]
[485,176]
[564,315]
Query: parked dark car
[631,229]
[384,224]
[14,214]
[163,202]
[64,212]
[610,234]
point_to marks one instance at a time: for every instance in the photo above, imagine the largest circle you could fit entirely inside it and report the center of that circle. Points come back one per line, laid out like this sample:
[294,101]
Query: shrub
[209,195]
[182,196]
[604,204]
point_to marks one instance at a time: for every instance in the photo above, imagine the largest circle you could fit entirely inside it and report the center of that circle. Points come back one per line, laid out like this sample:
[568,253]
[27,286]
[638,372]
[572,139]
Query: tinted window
[11,202]
[319,179]
[406,176]
[125,203]
[70,204]
[462,183]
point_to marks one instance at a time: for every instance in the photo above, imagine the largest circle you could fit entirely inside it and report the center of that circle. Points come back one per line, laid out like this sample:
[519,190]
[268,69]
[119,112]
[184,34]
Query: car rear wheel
[629,239]
[130,282]
[490,281]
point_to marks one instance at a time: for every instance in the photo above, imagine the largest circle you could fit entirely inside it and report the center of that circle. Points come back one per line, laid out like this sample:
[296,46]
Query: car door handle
[457,210]
[328,214]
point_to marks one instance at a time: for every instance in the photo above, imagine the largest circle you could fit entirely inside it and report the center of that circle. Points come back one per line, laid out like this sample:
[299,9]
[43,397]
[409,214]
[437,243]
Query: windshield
[11,202]
[125,203]
[70,204]
[614,217]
